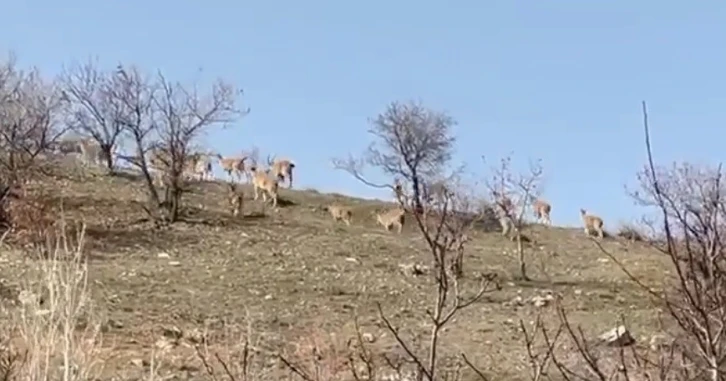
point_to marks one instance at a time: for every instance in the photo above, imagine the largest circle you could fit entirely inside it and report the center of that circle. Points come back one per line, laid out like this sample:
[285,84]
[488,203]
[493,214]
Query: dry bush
[55,331]
[32,219]
[31,108]
[513,194]
[319,355]
[630,232]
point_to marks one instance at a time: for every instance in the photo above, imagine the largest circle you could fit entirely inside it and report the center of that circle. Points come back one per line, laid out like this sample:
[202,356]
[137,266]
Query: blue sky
[559,80]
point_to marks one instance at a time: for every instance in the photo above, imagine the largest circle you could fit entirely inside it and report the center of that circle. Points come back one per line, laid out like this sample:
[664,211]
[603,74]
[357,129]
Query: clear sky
[559,80]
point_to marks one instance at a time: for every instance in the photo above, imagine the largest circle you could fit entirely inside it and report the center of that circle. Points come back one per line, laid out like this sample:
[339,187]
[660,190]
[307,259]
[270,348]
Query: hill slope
[295,272]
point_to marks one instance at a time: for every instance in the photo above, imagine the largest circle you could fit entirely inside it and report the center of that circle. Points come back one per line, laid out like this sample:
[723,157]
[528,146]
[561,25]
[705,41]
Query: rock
[173,333]
[617,337]
[137,362]
[163,345]
[658,341]
[27,298]
[368,337]
[540,301]
[195,336]
[163,255]
[174,263]
[413,269]
[268,297]
[518,301]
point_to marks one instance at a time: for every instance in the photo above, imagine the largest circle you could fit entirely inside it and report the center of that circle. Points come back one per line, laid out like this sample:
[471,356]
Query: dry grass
[284,276]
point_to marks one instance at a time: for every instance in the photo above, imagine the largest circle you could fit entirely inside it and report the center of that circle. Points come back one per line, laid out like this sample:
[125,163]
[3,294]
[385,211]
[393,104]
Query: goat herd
[198,166]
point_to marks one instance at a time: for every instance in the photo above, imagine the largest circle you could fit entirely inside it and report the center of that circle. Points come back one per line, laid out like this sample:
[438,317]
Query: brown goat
[158,160]
[542,210]
[261,180]
[393,217]
[340,213]
[281,169]
[591,223]
[235,166]
[198,164]
[236,200]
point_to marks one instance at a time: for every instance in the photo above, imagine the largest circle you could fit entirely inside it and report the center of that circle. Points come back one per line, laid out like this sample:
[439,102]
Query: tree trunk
[107,149]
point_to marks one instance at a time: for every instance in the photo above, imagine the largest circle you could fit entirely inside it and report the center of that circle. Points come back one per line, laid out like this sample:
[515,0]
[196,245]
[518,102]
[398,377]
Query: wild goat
[67,146]
[91,152]
[198,164]
[503,203]
[591,223]
[262,181]
[393,217]
[234,166]
[281,169]
[340,213]
[542,211]
[236,200]
[158,161]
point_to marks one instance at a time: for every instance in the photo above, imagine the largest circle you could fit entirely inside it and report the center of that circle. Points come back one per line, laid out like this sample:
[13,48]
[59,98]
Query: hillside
[296,274]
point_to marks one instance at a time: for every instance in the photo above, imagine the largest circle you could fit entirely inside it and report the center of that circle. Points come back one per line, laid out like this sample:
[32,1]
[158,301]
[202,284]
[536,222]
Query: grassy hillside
[294,274]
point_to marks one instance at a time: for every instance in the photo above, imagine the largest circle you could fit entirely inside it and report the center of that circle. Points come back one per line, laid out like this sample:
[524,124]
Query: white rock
[540,301]
[163,255]
[368,337]
[617,337]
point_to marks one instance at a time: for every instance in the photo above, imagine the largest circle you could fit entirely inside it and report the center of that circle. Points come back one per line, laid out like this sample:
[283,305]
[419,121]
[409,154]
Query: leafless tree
[96,110]
[414,146]
[692,205]
[182,115]
[134,93]
[513,194]
[30,110]
[412,143]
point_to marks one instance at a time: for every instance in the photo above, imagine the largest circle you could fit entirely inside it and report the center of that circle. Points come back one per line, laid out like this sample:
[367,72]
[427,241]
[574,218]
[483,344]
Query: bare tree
[513,195]
[30,110]
[96,110]
[691,201]
[412,143]
[183,115]
[414,146]
[134,93]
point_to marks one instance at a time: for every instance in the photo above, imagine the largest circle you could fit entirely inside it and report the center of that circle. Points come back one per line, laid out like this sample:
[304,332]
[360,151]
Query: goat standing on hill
[591,223]
[340,213]
[158,161]
[234,167]
[394,217]
[91,152]
[261,180]
[198,165]
[542,210]
[236,200]
[281,169]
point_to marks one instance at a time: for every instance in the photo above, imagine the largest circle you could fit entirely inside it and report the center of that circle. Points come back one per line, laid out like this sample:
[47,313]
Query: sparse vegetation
[92,288]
